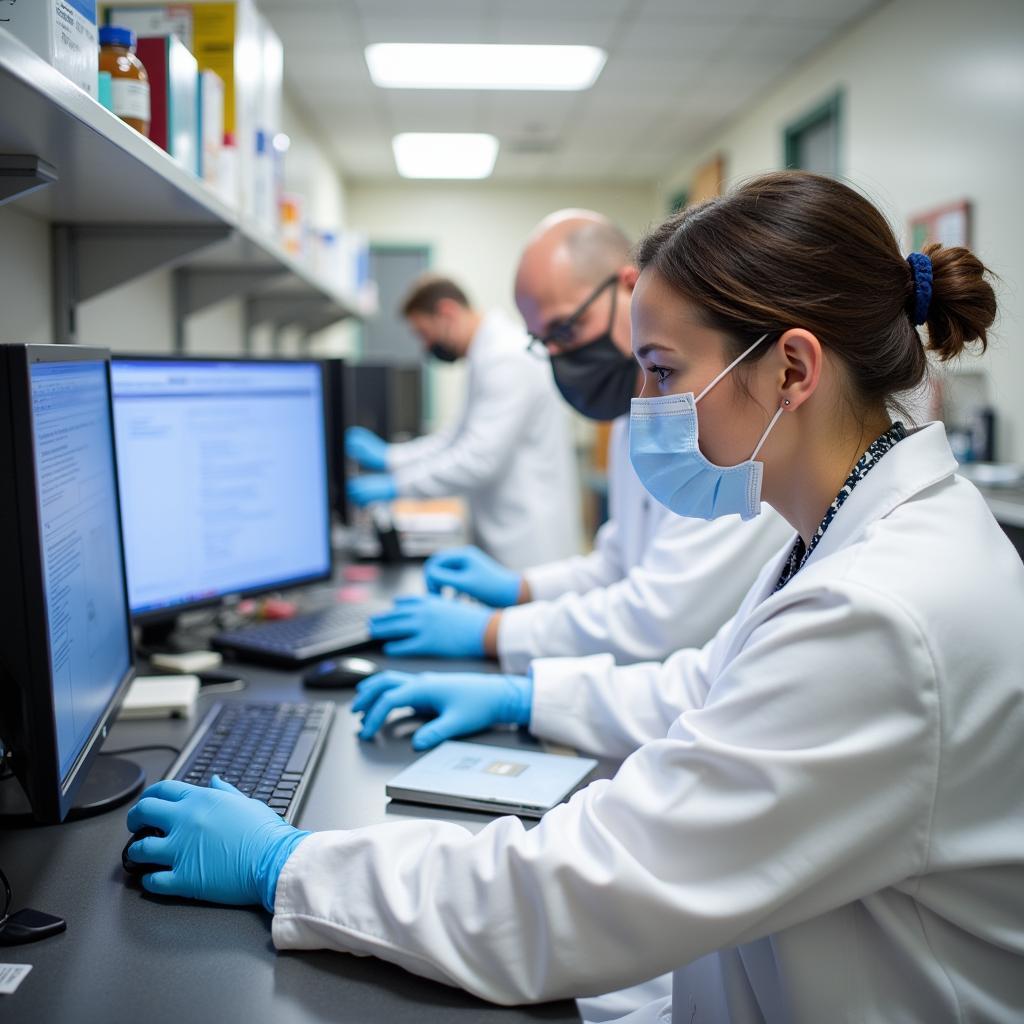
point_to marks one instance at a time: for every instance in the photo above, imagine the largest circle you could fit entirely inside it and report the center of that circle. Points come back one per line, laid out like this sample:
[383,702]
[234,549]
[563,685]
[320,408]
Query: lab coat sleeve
[594,705]
[405,453]
[604,565]
[691,579]
[502,397]
[806,781]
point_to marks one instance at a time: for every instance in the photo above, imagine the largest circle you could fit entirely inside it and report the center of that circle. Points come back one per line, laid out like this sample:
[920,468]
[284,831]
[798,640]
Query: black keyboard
[303,638]
[267,750]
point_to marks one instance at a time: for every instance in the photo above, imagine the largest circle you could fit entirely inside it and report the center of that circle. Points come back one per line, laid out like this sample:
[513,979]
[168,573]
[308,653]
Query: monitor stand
[111,781]
[155,636]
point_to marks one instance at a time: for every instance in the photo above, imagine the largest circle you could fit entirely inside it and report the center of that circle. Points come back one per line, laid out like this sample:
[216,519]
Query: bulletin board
[949,224]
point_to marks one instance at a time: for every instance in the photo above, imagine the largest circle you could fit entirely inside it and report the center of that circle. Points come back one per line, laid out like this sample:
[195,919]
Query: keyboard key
[303,748]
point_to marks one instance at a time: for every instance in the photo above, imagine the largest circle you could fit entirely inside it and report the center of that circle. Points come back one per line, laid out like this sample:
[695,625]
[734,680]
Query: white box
[63,33]
[211,126]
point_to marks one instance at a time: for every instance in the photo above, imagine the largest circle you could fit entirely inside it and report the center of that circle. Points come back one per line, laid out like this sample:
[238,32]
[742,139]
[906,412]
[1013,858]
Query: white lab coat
[819,817]
[653,584]
[510,454]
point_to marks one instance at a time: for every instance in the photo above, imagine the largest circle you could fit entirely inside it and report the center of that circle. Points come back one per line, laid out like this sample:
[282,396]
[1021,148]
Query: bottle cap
[114,35]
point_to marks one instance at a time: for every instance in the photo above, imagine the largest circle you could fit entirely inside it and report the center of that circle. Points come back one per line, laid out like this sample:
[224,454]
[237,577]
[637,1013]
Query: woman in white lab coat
[819,814]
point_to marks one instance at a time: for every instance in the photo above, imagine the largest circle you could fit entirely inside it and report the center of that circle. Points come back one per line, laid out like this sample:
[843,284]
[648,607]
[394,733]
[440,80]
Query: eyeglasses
[561,332]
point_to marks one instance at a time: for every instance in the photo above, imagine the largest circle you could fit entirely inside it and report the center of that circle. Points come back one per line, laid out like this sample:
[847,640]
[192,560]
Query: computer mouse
[339,672]
[137,867]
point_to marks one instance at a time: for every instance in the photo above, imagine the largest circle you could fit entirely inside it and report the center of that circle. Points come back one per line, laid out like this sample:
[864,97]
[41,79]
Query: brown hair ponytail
[794,249]
[963,304]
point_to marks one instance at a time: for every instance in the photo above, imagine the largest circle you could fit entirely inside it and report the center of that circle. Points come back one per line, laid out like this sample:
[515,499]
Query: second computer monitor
[387,399]
[224,479]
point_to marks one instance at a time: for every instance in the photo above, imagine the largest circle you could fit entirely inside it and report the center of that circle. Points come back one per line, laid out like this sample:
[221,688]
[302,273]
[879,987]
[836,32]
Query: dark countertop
[127,956]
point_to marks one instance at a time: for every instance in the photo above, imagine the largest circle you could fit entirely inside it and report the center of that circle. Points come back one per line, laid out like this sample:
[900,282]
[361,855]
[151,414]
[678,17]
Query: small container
[105,91]
[129,84]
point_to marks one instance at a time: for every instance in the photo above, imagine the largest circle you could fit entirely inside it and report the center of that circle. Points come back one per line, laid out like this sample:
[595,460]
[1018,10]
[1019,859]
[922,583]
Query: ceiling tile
[677,69]
[664,37]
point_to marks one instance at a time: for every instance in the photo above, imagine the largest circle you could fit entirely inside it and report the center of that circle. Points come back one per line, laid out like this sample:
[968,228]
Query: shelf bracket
[310,311]
[90,259]
[21,175]
[196,288]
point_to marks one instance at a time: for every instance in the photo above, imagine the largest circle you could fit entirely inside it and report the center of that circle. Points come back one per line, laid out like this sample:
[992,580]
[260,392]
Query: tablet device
[501,780]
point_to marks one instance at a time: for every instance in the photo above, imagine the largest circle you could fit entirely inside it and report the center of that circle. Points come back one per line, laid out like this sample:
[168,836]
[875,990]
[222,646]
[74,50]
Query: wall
[933,94]
[25,313]
[476,231]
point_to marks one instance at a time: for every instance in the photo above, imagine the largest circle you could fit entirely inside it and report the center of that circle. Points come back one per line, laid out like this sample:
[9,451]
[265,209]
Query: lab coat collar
[918,462]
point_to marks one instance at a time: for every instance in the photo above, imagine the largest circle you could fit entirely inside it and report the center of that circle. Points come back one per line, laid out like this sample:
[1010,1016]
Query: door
[386,338]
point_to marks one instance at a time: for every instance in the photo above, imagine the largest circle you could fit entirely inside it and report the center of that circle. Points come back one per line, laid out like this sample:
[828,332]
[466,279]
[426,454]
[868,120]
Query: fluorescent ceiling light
[483,66]
[444,154]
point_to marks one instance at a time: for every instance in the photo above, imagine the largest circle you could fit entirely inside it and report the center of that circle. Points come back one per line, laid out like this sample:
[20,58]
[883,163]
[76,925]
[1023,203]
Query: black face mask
[597,380]
[439,350]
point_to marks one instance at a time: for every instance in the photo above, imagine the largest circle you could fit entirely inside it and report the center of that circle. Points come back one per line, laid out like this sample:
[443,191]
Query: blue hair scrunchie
[921,265]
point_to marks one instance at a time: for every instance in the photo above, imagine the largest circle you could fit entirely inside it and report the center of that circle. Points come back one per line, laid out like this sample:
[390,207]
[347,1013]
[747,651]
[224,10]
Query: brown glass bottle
[129,81]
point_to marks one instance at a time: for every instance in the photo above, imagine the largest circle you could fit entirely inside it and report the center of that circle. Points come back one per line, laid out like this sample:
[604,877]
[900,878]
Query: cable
[141,750]
[7,899]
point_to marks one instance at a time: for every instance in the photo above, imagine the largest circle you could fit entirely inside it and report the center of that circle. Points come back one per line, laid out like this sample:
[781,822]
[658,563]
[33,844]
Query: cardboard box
[63,33]
[173,92]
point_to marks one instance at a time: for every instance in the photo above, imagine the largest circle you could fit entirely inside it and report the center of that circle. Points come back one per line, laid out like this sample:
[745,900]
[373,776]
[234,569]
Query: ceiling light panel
[444,154]
[483,66]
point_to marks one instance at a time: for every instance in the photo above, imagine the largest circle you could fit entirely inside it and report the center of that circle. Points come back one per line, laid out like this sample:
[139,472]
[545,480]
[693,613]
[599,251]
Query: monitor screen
[223,473]
[88,631]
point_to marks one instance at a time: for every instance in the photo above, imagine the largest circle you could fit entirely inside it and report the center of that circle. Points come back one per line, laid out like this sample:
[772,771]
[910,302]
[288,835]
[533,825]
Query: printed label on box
[75,42]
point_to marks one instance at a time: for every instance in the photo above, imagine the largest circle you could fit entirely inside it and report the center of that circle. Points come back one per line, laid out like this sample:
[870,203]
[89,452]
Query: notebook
[502,780]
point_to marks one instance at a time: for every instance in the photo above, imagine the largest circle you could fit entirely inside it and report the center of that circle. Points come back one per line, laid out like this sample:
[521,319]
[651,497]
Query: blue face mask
[667,459]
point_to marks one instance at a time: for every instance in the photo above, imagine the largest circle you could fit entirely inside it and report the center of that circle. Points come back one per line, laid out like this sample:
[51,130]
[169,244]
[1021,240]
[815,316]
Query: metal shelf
[120,206]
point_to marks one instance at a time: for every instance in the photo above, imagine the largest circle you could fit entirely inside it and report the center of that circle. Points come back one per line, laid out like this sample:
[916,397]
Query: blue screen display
[223,477]
[87,621]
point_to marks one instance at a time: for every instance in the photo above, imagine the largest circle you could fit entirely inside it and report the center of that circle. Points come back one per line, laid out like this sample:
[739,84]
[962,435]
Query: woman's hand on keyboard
[218,844]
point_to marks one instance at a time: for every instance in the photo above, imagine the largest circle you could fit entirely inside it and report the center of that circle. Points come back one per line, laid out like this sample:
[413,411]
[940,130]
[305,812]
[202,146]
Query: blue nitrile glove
[472,572]
[218,844]
[365,490]
[427,624]
[464,702]
[366,448]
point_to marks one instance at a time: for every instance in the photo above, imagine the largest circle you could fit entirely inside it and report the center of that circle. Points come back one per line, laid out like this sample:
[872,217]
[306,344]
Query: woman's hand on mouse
[464,702]
[219,845]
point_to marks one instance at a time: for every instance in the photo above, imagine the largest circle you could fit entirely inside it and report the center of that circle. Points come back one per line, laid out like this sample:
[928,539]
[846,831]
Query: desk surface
[128,956]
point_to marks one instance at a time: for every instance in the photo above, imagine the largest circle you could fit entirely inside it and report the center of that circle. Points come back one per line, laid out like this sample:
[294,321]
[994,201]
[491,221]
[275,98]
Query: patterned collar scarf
[801,552]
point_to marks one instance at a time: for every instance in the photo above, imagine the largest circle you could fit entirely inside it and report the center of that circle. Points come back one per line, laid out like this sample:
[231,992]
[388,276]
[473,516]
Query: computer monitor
[338,403]
[368,388]
[224,481]
[406,400]
[65,646]
[387,399]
